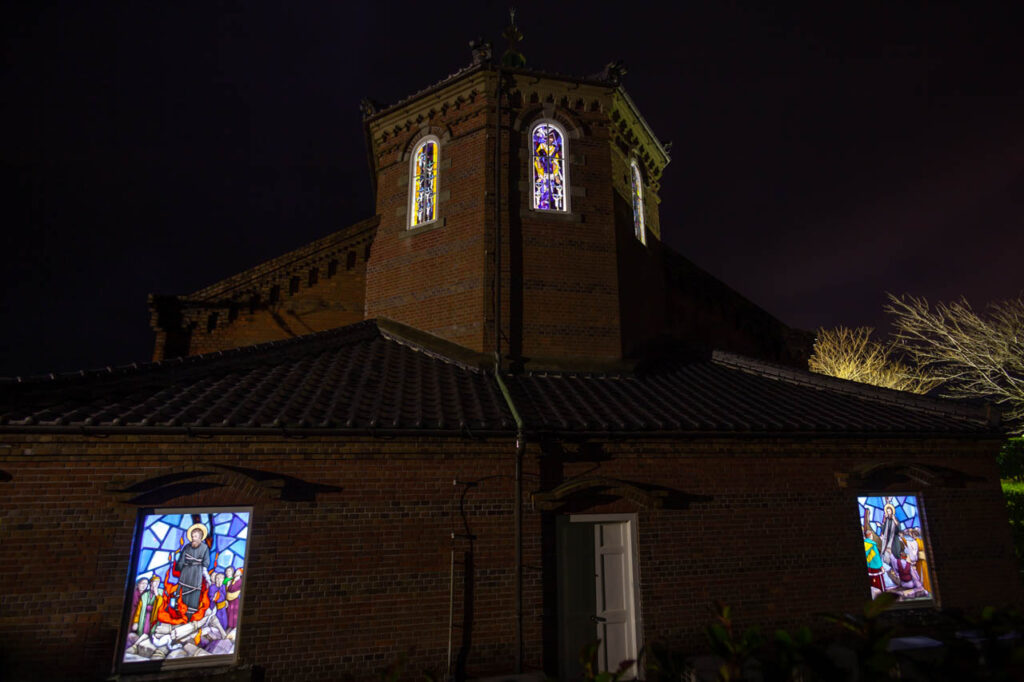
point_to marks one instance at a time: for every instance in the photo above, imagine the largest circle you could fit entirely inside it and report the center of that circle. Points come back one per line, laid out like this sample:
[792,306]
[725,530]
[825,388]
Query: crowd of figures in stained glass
[638,202]
[895,547]
[187,585]
[548,168]
[424,193]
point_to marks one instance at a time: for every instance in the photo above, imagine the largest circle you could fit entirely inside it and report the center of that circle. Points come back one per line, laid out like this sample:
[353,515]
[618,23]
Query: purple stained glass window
[549,185]
[187,579]
[638,202]
[424,186]
[895,548]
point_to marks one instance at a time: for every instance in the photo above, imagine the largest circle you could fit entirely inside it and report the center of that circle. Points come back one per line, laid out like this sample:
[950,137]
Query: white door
[616,611]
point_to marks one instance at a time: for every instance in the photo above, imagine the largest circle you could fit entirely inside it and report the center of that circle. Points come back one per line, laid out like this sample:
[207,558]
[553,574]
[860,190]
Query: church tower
[563,172]
[550,182]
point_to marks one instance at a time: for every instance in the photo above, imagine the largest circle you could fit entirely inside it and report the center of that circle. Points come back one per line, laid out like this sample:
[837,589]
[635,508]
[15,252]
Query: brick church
[490,424]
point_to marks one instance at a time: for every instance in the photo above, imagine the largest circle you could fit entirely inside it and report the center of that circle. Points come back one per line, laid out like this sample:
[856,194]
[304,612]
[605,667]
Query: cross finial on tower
[513,57]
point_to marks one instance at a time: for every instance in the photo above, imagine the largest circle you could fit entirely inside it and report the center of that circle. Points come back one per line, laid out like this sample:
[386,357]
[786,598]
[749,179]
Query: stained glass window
[895,548]
[549,182]
[638,202]
[186,593]
[424,183]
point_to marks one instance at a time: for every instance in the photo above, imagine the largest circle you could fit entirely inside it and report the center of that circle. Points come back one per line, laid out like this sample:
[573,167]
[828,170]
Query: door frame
[631,524]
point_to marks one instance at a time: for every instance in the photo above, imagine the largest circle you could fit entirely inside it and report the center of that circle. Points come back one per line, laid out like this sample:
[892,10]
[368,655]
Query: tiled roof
[355,378]
[729,393]
[380,377]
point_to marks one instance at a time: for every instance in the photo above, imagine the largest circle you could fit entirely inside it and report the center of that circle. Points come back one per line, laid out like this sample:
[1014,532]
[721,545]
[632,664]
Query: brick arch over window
[548,178]
[425,173]
[573,127]
[424,181]
[548,145]
[442,133]
[173,484]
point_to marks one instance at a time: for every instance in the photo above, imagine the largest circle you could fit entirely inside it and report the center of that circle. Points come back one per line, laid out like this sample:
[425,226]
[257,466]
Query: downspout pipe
[517,503]
[497,222]
[518,513]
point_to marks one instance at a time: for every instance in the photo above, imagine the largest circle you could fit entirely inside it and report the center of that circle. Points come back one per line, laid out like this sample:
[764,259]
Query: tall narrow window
[895,548]
[549,180]
[187,577]
[639,229]
[424,183]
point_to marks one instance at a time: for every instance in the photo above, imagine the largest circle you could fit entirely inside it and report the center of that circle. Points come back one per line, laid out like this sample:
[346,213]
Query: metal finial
[513,57]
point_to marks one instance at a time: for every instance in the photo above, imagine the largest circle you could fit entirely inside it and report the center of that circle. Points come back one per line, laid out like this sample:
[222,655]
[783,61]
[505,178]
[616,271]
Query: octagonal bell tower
[549,180]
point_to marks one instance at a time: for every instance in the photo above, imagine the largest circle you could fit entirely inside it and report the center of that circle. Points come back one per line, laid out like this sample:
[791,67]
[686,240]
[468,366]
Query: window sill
[564,216]
[421,229]
[216,672]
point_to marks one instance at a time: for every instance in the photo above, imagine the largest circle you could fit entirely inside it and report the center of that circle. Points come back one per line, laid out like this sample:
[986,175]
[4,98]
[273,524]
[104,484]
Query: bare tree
[851,354]
[973,356]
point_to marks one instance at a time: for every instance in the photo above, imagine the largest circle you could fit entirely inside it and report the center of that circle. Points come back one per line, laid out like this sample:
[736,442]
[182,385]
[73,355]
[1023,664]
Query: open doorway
[598,588]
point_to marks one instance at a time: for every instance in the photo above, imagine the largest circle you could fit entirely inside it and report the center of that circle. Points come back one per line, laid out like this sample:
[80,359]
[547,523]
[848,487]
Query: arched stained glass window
[639,229]
[550,185]
[424,182]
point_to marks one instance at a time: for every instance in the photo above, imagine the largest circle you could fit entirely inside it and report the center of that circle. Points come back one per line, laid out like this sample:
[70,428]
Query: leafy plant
[736,652]
[797,657]
[870,637]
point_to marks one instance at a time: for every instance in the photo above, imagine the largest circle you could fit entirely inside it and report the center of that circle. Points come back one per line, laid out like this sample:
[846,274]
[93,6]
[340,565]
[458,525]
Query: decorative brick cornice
[279,270]
[632,132]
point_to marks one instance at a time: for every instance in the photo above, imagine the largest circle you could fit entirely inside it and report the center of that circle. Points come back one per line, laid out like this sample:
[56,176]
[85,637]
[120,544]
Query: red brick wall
[559,277]
[569,285]
[319,286]
[340,587]
[435,277]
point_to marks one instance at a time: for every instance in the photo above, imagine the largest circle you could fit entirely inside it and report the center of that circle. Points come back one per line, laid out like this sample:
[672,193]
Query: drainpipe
[497,224]
[520,436]
[518,512]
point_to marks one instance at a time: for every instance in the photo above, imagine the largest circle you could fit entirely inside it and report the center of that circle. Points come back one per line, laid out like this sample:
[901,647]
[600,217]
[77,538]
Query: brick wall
[568,286]
[339,587]
[319,286]
[435,277]
[559,279]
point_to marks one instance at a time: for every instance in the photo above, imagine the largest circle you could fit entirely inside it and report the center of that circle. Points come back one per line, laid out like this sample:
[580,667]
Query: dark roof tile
[380,376]
[355,378]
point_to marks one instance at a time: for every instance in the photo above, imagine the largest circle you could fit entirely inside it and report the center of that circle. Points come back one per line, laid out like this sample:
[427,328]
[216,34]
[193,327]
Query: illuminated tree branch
[972,356]
[852,354]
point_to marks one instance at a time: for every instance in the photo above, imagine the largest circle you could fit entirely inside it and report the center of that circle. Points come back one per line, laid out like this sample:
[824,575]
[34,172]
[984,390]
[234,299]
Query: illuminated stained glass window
[424,183]
[895,548]
[638,202]
[186,593]
[549,181]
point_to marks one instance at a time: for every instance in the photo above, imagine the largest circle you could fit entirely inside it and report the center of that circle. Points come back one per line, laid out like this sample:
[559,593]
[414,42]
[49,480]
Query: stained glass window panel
[638,202]
[549,185]
[186,587]
[895,548]
[424,193]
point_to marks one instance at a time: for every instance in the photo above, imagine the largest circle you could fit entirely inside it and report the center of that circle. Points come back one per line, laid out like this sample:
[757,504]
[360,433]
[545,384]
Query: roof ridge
[433,346]
[989,414]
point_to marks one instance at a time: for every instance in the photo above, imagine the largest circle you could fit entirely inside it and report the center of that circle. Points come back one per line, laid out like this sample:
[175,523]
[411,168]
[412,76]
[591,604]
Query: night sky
[820,158]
